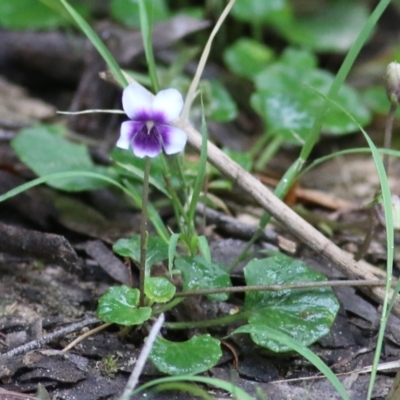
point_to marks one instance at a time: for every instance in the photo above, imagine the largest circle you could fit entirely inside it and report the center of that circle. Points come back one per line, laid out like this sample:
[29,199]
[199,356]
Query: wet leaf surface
[287,99]
[196,355]
[305,314]
[198,273]
[159,290]
[120,305]
[157,249]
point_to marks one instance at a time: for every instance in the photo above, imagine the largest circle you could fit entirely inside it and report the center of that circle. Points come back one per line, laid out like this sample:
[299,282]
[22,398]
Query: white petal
[125,137]
[174,139]
[136,100]
[168,102]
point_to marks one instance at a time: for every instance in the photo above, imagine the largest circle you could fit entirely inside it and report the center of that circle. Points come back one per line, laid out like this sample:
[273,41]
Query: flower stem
[388,135]
[143,230]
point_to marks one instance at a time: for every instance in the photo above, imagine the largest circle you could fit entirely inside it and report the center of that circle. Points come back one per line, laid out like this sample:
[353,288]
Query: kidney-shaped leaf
[194,356]
[306,314]
[120,305]
[247,57]
[198,273]
[157,249]
[159,289]
[288,100]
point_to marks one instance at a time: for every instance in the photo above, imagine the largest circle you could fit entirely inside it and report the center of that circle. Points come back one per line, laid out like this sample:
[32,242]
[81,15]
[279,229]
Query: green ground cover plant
[295,99]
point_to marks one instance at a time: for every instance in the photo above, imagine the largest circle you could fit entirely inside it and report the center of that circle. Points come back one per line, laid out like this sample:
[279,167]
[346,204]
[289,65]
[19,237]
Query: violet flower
[149,130]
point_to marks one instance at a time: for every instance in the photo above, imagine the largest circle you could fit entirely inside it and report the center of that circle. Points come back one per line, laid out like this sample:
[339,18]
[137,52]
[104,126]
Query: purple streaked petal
[169,103]
[136,101]
[174,139]
[128,130]
[147,143]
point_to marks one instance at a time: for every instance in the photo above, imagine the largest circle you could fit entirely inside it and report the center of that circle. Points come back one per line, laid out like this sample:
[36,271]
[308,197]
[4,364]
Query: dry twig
[35,344]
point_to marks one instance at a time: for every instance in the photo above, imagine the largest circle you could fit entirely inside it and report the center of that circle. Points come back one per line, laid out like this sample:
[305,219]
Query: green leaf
[244,159]
[159,289]
[156,251]
[29,14]
[198,273]
[332,28]
[45,152]
[256,11]
[306,315]
[287,100]
[127,11]
[303,59]
[222,107]
[194,356]
[247,57]
[120,305]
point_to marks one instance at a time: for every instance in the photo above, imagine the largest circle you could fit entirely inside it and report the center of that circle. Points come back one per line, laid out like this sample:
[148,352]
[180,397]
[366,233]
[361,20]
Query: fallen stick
[38,343]
[287,217]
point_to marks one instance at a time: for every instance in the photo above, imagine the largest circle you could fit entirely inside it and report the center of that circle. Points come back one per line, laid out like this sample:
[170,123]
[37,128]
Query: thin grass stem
[388,134]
